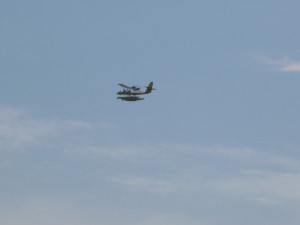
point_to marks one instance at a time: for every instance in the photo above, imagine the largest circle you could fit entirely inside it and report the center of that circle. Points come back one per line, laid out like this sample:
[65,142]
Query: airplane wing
[124,86]
[135,88]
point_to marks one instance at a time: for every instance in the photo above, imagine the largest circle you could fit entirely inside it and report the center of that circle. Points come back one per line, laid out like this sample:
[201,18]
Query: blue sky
[216,143]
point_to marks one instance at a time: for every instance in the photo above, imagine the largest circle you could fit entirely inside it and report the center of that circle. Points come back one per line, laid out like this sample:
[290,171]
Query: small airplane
[133,92]
[136,92]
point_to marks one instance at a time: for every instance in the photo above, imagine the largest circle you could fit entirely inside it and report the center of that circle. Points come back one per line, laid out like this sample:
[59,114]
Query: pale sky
[216,144]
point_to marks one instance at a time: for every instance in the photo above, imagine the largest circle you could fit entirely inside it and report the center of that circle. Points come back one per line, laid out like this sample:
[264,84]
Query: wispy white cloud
[262,186]
[17,129]
[113,151]
[243,173]
[41,211]
[56,211]
[284,64]
[20,131]
[147,184]
[170,219]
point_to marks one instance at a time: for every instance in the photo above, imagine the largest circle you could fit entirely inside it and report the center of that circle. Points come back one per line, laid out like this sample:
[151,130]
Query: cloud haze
[285,64]
[74,158]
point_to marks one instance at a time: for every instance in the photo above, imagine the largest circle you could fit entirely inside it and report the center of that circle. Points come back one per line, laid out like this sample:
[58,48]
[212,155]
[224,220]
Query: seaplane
[131,92]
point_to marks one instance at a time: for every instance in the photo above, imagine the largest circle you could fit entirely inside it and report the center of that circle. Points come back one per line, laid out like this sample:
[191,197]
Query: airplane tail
[149,88]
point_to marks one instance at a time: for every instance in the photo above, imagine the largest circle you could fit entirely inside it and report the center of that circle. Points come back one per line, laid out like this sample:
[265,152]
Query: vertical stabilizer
[149,88]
